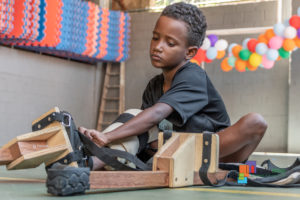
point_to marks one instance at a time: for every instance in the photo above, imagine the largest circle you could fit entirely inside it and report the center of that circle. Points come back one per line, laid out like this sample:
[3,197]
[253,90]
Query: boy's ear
[192,51]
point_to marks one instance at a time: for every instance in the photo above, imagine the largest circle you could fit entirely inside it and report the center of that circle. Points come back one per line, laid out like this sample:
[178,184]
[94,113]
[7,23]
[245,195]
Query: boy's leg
[130,144]
[238,141]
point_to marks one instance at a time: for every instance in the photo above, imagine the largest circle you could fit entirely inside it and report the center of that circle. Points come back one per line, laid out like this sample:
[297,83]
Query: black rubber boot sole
[66,180]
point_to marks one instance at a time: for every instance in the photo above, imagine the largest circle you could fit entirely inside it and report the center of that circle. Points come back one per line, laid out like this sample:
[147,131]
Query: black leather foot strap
[206,157]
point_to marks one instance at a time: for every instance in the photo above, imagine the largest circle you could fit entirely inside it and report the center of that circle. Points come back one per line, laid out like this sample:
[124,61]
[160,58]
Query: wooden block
[32,149]
[182,163]
[43,134]
[165,152]
[34,159]
[5,156]
[181,156]
[128,179]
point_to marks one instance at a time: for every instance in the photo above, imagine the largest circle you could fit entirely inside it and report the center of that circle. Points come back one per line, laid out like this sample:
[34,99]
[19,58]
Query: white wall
[31,84]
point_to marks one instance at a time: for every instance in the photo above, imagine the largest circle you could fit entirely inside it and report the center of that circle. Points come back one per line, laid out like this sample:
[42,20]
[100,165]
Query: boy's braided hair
[193,17]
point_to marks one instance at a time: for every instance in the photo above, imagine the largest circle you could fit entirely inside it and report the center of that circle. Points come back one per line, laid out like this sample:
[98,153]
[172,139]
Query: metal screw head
[205,160]
[206,143]
[39,126]
[49,119]
[65,161]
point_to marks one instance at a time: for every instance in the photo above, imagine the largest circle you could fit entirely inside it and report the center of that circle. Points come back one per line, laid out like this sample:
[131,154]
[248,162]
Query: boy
[183,94]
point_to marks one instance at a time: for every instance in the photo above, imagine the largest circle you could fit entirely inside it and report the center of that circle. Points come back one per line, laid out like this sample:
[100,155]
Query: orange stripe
[103,33]
[18,19]
[52,23]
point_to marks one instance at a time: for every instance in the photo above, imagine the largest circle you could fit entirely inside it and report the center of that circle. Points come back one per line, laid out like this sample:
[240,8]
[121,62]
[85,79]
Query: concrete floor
[13,187]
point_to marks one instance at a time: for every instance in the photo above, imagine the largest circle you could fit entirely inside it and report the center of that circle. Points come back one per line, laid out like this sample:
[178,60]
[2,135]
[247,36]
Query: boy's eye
[154,38]
[171,44]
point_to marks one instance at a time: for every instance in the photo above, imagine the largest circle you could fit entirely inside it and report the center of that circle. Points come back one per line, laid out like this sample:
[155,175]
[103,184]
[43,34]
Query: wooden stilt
[176,164]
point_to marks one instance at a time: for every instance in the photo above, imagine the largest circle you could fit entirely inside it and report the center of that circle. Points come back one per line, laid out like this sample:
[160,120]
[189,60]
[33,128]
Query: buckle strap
[62,117]
[206,157]
[109,156]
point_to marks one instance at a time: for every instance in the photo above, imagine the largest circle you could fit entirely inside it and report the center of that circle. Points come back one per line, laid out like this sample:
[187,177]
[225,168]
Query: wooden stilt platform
[176,164]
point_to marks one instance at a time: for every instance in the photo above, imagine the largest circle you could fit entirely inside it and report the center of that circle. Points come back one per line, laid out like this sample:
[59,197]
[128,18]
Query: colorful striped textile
[68,28]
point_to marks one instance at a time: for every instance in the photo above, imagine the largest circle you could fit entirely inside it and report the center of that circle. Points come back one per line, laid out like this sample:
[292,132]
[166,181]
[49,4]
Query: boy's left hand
[97,137]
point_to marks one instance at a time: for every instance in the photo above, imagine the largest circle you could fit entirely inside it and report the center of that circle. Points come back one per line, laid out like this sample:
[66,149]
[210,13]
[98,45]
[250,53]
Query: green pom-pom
[244,54]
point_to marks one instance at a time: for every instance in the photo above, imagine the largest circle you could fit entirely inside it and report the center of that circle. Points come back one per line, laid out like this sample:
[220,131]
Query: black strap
[63,117]
[206,152]
[206,160]
[109,156]
[167,135]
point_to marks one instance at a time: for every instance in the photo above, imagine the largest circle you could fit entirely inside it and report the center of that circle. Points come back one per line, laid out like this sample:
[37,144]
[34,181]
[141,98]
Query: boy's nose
[158,47]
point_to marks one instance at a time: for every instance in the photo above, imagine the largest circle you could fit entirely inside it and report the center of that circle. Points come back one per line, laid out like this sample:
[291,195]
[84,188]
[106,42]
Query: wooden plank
[5,156]
[182,163]
[128,179]
[239,31]
[122,88]
[165,152]
[160,140]
[34,136]
[104,95]
[36,158]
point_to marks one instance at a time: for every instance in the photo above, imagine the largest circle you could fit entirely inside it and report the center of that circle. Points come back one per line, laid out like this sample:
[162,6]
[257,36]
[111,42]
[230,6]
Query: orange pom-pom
[289,44]
[225,66]
[251,67]
[297,41]
[220,54]
[236,50]
[269,34]
[240,65]
[262,38]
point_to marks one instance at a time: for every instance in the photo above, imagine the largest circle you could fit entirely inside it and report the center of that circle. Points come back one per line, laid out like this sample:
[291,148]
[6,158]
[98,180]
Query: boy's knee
[255,125]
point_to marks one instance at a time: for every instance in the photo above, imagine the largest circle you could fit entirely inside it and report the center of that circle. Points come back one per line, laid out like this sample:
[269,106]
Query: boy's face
[168,48]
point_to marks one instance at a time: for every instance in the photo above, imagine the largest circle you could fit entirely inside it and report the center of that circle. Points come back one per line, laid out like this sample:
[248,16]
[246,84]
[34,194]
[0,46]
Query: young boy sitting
[183,94]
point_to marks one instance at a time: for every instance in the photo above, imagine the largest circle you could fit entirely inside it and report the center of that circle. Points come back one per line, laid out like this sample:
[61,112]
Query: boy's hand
[97,137]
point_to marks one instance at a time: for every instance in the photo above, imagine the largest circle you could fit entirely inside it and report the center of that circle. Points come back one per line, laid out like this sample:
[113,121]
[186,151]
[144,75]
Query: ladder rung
[110,111]
[113,74]
[113,86]
[112,98]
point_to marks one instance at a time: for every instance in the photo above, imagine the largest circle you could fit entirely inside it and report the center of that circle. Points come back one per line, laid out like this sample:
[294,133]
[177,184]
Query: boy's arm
[137,125]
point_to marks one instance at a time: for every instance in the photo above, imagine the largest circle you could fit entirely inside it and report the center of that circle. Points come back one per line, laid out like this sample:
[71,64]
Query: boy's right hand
[97,137]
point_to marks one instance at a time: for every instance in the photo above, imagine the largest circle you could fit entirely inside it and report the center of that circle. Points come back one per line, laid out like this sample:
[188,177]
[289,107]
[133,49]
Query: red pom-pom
[252,44]
[295,21]
[207,60]
[200,56]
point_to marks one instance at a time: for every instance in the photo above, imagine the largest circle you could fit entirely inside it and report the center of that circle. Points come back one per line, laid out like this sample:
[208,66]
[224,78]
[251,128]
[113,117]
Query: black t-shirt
[197,105]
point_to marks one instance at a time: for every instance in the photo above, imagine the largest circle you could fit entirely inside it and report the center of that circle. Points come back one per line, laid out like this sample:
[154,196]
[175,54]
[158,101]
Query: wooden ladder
[113,95]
